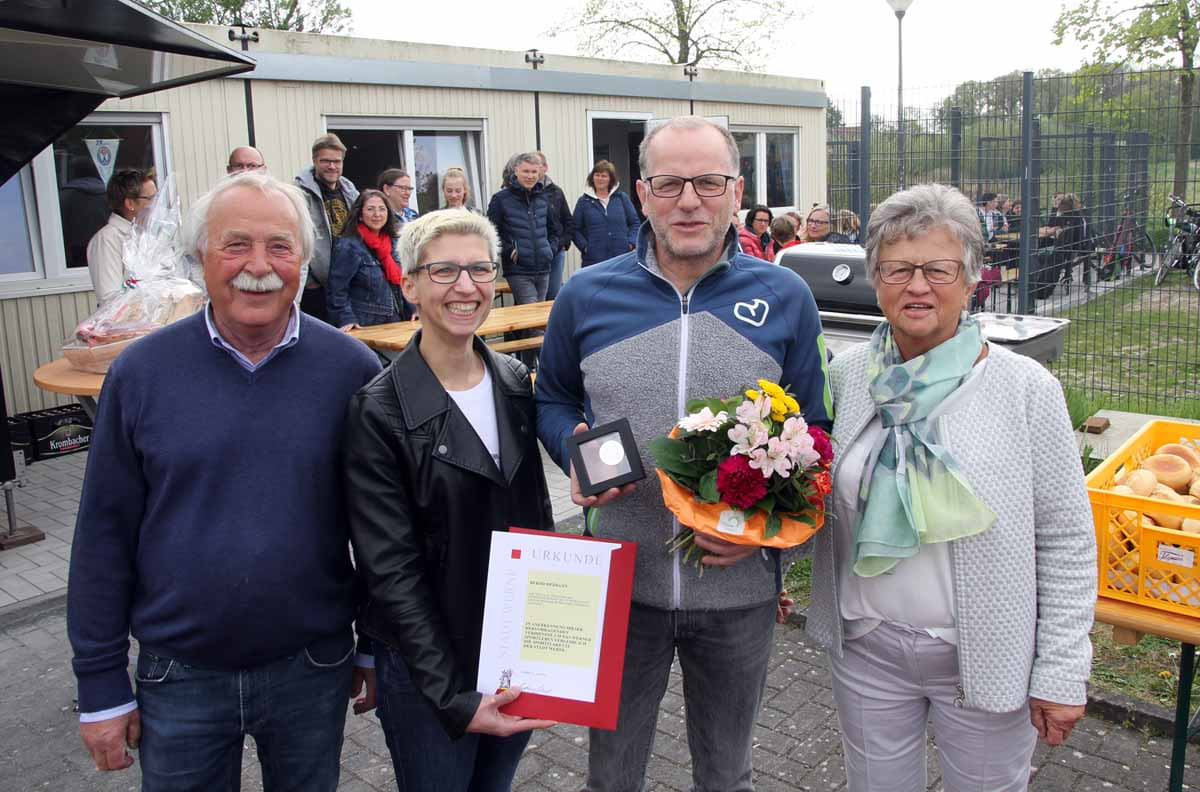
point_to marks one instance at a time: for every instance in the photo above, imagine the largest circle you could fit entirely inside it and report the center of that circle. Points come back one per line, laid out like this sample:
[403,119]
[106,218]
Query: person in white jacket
[129,191]
[957,578]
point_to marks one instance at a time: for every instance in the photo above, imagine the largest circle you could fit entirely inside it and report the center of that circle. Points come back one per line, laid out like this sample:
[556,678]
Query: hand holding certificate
[554,625]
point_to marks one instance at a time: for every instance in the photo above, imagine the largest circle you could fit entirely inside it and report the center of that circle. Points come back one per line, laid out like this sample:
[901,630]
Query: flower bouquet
[746,469]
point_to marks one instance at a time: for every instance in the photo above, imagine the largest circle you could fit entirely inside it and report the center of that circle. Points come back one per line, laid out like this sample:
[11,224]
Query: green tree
[833,115]
[1149,32]
[737,33]
[310,16]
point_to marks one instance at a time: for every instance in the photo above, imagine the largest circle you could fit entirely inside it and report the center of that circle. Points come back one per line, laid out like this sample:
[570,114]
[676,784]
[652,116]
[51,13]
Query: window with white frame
[50,210]
[425,147]
[769,165]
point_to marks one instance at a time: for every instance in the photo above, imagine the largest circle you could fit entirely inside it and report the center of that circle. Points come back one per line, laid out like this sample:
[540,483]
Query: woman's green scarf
[913,492]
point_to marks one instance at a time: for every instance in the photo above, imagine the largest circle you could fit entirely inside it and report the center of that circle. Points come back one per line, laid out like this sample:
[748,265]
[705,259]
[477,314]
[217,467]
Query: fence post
[1089,193]
[853,157]
[956,147]
[1108,181]
[864,158]
[1028,216]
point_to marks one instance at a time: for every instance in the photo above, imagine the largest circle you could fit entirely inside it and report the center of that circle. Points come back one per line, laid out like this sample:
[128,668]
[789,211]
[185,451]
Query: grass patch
[1135,349]
[1148,671]
[798,582]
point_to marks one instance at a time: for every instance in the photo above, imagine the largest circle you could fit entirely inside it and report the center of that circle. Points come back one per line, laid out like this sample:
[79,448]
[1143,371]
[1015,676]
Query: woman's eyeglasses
[447,272]
[939,272]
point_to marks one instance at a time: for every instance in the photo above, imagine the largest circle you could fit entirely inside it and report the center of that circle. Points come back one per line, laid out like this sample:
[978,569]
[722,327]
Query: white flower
[704,421]
[772,459]
[752,412]
[798,443]
[746,438]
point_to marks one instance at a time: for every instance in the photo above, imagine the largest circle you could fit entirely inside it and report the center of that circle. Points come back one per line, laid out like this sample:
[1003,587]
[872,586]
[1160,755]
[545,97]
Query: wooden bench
[517,345]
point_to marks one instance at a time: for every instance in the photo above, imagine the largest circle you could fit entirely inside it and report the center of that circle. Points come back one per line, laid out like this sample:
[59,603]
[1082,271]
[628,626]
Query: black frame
[636,471]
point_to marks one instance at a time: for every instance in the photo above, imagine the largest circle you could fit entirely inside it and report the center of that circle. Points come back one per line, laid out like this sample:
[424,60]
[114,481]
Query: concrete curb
[30,609]
[1112,707]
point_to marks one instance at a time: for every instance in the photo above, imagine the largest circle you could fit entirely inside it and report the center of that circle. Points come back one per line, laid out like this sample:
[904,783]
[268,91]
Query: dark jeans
[424,756]
[556,275]
[527,289]
[724,656]
[194,722]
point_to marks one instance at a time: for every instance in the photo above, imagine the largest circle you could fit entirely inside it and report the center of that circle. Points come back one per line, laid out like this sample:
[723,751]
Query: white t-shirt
[919,591]
[479,407]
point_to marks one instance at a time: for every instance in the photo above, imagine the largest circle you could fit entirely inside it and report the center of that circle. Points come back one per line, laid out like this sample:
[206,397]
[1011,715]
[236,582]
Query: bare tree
[729,32]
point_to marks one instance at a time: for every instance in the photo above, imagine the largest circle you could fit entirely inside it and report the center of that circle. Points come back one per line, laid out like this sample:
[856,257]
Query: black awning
[59,59]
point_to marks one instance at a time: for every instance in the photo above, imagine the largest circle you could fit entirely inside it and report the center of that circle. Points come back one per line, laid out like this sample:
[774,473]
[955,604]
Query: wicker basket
[1153,566]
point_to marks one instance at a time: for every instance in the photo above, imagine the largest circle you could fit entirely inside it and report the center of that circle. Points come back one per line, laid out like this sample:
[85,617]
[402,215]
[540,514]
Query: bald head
[245,158]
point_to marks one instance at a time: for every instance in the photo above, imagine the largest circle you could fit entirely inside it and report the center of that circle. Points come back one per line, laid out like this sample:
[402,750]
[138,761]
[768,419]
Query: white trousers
[887,685]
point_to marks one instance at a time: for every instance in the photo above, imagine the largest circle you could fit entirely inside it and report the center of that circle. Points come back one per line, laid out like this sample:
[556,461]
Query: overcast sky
[847,43]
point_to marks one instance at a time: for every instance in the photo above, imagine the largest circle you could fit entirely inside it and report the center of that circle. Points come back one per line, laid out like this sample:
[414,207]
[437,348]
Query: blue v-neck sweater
[211,525]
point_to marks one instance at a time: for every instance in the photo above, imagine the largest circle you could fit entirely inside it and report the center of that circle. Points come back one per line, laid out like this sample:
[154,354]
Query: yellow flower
[792,405]
[752,395]
[771,389]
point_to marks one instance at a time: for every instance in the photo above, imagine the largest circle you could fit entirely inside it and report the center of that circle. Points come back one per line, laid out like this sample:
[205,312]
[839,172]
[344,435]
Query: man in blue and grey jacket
[686,315]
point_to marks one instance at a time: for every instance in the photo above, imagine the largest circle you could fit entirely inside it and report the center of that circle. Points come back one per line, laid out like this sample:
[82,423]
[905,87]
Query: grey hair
[917,211]
[532,157]
[428,227]
[195,226]
[691,123]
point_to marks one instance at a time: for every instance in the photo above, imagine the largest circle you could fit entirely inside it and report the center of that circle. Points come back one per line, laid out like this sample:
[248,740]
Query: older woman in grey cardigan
[957,579]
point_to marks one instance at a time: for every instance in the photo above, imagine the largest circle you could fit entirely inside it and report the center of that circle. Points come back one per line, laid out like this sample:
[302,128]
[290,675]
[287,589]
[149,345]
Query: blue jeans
[527,289]
[424,756]
[194,722]
[724,656]
[556,273]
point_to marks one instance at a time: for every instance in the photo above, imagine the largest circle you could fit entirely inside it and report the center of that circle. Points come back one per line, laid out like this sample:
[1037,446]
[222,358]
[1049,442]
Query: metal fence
[1108,141]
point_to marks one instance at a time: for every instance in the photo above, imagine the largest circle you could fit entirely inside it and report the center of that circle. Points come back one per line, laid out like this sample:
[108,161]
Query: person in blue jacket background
[606,224]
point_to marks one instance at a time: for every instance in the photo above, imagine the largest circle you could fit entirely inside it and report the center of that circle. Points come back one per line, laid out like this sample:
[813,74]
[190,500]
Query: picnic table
[394,337]
[1130,621]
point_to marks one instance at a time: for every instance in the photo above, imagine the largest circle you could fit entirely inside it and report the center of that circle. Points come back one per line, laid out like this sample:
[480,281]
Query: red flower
[822,482]
[821,444]
[739,484]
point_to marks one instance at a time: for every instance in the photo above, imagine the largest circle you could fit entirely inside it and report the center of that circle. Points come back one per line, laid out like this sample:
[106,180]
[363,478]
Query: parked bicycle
[1183,246]
[1131,243]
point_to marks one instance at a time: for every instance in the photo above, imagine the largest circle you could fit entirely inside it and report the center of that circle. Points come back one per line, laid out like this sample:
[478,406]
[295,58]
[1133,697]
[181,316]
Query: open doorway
[615,137]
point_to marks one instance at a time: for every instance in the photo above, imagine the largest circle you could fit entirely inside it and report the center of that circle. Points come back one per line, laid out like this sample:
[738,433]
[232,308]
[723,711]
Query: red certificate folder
[602,713]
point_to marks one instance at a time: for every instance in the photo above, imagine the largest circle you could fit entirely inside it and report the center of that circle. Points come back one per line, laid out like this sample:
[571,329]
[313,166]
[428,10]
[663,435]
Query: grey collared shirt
[290,337]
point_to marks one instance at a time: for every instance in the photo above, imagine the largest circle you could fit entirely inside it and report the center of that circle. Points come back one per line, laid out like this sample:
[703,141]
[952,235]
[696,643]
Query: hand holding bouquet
[746,469]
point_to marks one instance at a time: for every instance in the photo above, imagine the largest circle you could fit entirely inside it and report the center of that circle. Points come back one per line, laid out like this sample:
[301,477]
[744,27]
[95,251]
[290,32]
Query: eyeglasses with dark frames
[939,272]
[447,272]
[706,185]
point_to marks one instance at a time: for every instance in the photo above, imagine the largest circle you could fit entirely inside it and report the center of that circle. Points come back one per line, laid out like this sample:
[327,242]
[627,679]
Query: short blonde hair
[428,227]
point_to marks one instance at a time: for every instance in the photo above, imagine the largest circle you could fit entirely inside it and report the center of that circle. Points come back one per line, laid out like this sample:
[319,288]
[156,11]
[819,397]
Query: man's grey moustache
[267,283]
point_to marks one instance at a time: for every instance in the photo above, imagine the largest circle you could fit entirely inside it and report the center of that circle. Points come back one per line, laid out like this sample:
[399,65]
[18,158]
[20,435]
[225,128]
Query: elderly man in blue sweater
[211,528]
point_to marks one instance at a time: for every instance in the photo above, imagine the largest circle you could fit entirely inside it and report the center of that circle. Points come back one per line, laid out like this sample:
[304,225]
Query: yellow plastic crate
[1153,566]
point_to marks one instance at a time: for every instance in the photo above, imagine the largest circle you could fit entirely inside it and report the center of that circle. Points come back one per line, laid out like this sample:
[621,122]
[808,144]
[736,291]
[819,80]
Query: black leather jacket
[423,496]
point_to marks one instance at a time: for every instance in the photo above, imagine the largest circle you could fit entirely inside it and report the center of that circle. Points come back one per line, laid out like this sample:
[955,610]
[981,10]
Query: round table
[59,376]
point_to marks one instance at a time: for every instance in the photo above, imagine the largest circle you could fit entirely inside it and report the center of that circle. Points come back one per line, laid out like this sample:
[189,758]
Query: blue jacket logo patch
[752,313]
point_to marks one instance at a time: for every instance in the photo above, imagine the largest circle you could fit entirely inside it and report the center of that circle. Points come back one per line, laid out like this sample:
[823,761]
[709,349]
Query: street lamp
[900,6]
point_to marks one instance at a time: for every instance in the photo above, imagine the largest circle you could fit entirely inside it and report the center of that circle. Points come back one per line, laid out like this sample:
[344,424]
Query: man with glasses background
[129,191]
[329,196]
[245,159]
[684,316]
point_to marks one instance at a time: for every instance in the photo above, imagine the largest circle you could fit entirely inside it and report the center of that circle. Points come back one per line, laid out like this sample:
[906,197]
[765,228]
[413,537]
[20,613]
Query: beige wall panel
[33,329]
[204,123]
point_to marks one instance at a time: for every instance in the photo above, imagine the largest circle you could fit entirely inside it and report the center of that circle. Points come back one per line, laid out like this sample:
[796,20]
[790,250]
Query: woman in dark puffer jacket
[606,224]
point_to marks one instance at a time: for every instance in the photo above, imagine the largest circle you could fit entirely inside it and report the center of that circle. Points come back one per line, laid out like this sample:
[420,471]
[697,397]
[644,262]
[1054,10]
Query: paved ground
[796,746]
[796,743]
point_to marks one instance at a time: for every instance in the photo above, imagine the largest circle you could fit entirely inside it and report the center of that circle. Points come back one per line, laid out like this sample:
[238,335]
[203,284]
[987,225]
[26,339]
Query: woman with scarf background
[364,278]
[957,579]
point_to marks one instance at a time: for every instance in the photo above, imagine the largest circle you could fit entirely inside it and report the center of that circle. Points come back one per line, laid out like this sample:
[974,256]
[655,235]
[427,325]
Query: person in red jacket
[755,236]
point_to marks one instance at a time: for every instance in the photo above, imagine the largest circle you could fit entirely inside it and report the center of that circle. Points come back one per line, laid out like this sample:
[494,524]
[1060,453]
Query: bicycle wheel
[1196,270]
[1172,254]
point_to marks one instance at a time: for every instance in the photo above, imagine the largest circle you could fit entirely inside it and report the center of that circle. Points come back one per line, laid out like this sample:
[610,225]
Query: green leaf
[774,525]
[674,456]
[766,504]
[707,493]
